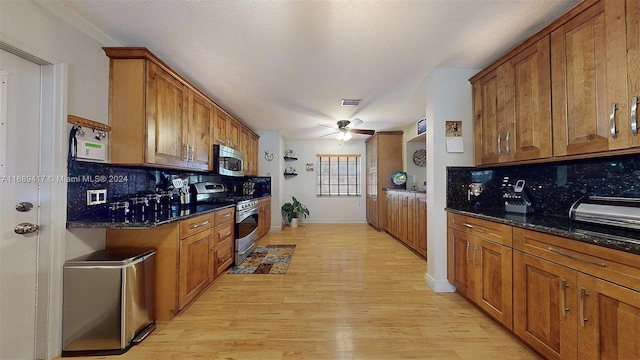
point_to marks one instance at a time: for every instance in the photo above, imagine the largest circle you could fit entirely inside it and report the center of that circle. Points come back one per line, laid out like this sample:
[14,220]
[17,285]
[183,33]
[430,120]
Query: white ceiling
[285,65]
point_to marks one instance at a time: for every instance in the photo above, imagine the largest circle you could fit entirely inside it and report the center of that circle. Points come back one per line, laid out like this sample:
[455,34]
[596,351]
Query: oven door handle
[241,215]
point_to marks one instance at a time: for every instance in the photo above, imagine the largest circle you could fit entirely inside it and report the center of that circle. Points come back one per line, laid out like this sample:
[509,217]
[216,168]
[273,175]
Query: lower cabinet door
[194,266]
[493,280]
[459,266]
[608,320]
[545,306]
[224,256]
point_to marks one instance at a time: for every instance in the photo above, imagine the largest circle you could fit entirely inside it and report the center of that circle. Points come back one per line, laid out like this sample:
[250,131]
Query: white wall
[303,186]
[271,163]
[448,94]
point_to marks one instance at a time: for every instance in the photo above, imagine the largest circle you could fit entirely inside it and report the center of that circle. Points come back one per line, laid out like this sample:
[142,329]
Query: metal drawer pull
[507,146]
[475,248]
[577,257]
[583,295]
[634,115]
[563,296]
[499,144]
[473,227]
[612,120]
[201,224]
[468,259]
[225,216]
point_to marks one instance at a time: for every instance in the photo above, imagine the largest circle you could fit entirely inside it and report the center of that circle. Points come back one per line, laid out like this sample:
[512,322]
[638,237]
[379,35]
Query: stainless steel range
[246,216]
[246,229]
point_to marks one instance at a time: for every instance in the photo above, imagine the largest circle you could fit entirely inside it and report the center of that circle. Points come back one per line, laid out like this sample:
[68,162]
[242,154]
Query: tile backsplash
[124,182]
[554,186]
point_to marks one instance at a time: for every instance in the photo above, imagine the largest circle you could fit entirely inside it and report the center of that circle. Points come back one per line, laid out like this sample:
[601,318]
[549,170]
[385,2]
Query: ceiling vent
[350,102]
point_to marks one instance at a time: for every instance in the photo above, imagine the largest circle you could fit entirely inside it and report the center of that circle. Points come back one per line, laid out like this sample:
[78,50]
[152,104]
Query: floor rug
[269,259]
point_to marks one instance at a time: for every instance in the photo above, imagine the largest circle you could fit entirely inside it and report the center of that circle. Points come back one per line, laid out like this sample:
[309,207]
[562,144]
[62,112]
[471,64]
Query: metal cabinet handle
[583,295]
[507,148]
[468,259]
[201,224]
[475,248]
[612,120]
[563,297]
[185,149]
[473,227]
[499,144]
[577,257]
[634,115]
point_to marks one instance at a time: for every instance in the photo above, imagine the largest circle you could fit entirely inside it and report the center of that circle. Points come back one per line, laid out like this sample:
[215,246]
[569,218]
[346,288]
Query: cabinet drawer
[224,233]
[608,264]
[489,230]
[195,225]
[224,256]
[223,216]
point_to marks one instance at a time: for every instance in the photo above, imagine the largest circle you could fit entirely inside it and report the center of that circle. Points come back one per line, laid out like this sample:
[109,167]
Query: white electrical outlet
[96,197]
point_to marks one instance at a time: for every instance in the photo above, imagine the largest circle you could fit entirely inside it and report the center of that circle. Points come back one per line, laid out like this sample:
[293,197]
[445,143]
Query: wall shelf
[290,174]
[288,158]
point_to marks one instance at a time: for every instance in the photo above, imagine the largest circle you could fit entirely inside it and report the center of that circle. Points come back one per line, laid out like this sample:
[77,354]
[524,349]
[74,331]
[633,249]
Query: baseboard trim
[438,286]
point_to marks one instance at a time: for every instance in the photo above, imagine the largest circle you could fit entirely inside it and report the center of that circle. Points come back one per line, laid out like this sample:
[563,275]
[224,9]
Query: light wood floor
[350,293]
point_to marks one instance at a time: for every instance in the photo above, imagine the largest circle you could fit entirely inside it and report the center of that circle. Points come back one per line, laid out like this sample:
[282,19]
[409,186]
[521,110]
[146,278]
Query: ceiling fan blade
[330,127]
[329,134]
[355,123]
[362,131]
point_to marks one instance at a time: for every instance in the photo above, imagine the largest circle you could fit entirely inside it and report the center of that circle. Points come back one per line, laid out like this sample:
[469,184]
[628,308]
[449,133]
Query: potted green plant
[292,210]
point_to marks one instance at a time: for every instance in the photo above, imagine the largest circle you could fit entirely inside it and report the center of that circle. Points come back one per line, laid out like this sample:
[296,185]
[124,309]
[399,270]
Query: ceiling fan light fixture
[344,135]
[350,102]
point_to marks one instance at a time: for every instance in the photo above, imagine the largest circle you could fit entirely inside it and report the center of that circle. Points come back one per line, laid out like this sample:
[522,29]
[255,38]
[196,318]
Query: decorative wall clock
[420,157]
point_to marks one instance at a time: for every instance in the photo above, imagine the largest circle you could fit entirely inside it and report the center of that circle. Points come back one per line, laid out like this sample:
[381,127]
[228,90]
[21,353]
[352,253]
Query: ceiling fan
[345,129]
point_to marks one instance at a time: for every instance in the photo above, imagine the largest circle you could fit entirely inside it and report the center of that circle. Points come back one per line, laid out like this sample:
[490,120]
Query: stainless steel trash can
[108,301]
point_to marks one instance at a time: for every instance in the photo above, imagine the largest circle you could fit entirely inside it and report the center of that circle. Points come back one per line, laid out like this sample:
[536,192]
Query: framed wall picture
[422,126]
[309,166]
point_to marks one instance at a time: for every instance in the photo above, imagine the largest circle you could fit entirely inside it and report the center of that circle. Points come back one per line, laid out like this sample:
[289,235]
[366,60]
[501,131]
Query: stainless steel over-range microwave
[227,161]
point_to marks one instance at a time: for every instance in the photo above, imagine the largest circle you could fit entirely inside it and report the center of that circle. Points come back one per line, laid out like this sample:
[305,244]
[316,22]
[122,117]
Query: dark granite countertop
[176,213]
[406,190]
[627,240]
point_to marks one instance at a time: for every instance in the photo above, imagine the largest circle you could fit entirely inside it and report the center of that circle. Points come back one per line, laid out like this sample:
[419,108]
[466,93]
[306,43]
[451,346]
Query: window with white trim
[338,175]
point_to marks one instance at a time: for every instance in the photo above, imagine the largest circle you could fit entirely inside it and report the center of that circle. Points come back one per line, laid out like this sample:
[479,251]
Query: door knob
[24,206]
[26,228]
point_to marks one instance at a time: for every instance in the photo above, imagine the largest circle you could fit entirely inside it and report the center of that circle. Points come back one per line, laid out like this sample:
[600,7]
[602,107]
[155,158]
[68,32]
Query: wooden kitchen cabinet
[264,216]
[189,255]
[512,108]
[384,157]
[575,300]
[220,128]
[233,133]
[195,264]
[588,64]
[481,269]
[167,119]
[249,147]
[156,118]
[407,219]
[420,225]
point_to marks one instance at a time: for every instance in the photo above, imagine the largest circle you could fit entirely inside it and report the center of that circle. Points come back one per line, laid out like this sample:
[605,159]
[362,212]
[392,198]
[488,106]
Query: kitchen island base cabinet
[190,254]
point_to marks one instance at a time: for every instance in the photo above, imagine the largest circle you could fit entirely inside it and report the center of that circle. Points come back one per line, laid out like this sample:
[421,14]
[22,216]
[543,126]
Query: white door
[19,183]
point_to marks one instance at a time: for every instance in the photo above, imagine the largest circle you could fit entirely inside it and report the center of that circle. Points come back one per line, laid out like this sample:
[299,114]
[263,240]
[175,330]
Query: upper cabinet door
[528,103]
[512,107]
[167,100]
[233,133]
[589,77]
[220,128]
[488,126]
[199,134]
[633,66]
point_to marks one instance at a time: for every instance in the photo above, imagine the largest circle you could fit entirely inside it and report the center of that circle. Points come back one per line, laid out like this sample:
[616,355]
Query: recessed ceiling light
[350,102]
